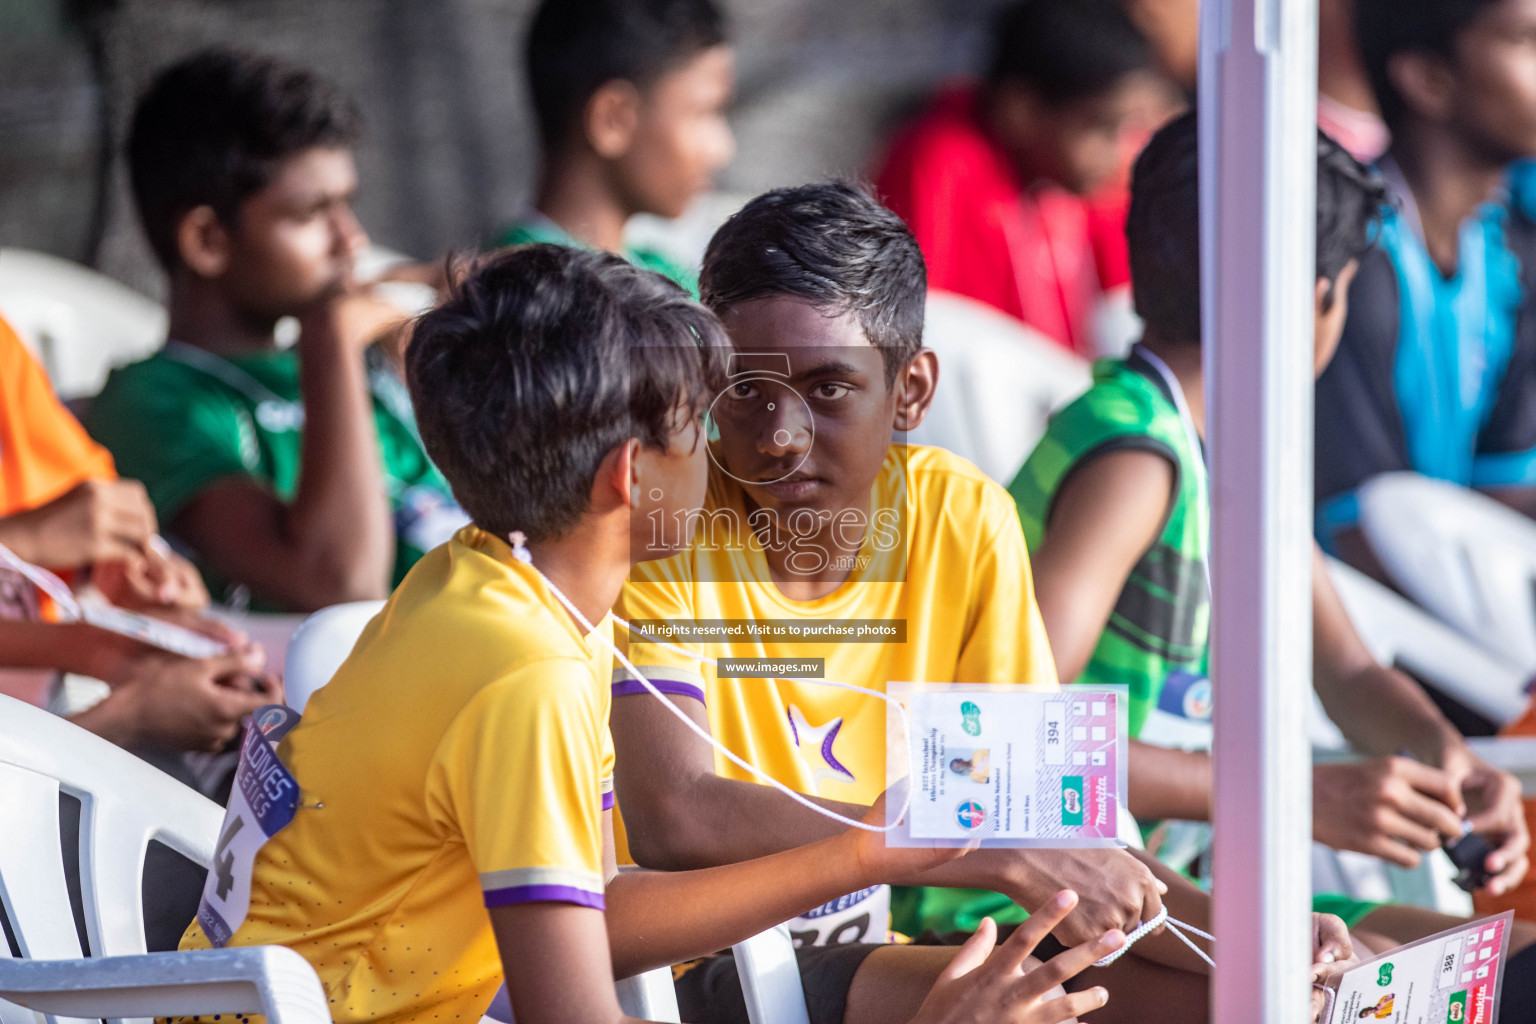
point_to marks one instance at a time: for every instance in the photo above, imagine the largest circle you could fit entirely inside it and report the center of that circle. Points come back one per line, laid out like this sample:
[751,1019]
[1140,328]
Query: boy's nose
[786,427]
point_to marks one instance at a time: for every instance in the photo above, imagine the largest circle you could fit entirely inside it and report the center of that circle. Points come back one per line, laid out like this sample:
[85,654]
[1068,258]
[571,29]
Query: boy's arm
[555,957]
[1380,711]
[95,521]
[1394,806]
[679,814]
[1104,518]
[334,542]
[657,918]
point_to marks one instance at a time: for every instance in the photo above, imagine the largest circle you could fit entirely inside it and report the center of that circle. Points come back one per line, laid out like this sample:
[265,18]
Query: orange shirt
[44,451]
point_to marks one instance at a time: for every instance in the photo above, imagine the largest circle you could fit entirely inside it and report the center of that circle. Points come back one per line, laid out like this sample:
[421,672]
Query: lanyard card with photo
[1008,766]
[1454,977]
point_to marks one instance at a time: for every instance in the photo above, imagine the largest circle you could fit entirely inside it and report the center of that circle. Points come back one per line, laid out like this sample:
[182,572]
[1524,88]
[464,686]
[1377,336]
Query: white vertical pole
[1258,95]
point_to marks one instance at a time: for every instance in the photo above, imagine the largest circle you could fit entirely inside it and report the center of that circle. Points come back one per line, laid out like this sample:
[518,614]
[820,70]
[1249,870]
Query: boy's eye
[830,391]
[743,391]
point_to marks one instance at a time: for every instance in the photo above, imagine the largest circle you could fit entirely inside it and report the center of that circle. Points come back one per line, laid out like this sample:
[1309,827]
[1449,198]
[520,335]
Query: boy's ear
[1323,297]
[203,242]
[916,385]
[629,470]
[611,118]
[616,484]
[1425,82]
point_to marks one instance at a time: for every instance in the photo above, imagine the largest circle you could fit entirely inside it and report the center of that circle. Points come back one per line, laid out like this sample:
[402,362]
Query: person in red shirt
[1014,186]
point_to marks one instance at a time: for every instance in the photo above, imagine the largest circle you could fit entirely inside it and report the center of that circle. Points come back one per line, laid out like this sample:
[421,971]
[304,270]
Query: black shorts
[709,990]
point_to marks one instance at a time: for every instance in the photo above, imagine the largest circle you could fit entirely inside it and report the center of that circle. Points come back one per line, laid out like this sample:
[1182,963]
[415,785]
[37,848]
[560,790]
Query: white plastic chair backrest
[649,996]
[1398,633]
[999,383]
[1467,558]
[79,322]
[770,978]
[124,803]
[320,644]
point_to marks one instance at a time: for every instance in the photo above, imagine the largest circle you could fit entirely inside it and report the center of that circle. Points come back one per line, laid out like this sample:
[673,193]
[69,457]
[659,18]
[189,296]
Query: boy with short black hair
[630,99]
[1115,506]
[814,516]
[456,772]
[1436,370]
[293,490]
[1008,184]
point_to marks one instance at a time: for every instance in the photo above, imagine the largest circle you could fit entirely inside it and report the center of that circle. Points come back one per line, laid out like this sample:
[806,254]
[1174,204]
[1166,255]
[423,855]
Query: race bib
[1454,977]
[1181,719]
[1008,766]
[863,916]
[263,800]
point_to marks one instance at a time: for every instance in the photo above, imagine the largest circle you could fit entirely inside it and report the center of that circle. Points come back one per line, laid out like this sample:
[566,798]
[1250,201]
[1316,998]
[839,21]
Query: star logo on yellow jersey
[815,746]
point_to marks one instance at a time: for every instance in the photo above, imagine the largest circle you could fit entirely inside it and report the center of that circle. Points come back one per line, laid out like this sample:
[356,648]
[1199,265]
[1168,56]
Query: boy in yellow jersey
[817,524]
[454,825]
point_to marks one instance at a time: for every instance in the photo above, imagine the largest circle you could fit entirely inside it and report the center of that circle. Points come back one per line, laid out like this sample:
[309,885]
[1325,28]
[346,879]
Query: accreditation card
[1007,765]
[1451,978]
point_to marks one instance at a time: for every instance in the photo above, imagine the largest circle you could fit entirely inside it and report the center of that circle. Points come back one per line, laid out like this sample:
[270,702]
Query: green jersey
[184,418]
[1155,643]
[536,227]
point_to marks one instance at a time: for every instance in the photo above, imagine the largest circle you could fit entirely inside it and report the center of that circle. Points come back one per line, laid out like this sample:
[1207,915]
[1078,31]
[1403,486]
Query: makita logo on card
[1480,1001]
[1098,801]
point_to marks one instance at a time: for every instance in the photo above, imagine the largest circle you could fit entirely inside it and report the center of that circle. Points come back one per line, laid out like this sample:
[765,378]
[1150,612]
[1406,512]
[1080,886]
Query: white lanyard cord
[1178,928]
[45,581]
[520,552]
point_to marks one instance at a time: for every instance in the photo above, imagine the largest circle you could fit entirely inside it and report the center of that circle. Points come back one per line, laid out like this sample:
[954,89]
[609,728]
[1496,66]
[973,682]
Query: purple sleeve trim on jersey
[544,894]
[608,800]
[628,687]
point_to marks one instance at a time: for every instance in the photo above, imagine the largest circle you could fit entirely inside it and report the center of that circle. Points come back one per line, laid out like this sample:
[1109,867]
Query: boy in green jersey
[294,476]
[630,99]
[1115,508]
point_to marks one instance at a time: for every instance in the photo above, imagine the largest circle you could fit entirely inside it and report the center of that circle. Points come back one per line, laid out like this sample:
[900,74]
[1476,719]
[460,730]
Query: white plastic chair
[124,803]
[80,323]
[320,644]
[1467,558]
[1398,633]
[999,383]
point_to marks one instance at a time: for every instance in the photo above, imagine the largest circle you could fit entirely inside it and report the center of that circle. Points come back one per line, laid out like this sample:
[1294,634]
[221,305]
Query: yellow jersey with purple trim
[459,760]
[946,568]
